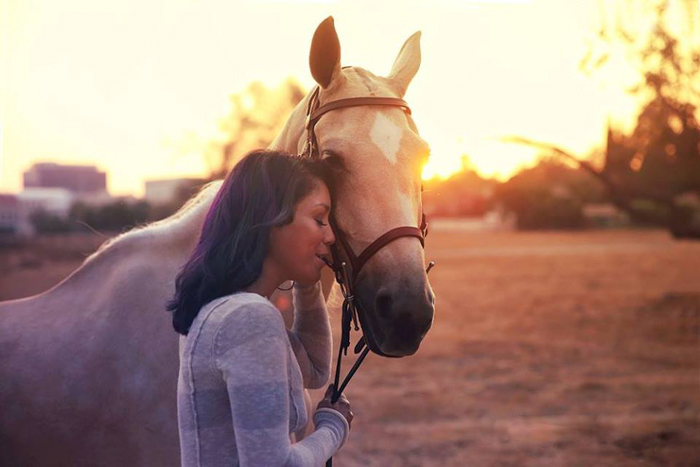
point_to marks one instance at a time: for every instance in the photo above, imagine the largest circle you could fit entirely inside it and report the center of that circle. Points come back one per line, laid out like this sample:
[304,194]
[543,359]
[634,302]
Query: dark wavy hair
[260,192]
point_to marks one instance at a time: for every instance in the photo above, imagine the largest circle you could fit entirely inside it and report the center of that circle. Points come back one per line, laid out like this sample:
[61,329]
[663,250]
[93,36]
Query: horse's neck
[167,241]
[177,235]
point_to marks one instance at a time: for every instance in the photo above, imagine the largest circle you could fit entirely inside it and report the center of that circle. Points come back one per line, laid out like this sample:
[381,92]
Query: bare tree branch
[677,223]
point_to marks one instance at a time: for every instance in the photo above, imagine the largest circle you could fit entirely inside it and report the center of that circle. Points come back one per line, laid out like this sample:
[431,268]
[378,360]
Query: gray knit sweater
[240,390]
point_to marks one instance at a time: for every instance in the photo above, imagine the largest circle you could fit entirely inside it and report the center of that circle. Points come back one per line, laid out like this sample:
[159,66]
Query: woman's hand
[342,405]
[307,290]
[305,287]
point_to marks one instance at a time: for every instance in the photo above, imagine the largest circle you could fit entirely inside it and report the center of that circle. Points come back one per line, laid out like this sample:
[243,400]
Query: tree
[257,115]
[186,191]
[117,216]
[464,193]
[45,222]
[548,196]
[654,172]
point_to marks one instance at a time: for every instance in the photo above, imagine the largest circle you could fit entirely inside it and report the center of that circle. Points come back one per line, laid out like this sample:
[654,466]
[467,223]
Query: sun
[488,157]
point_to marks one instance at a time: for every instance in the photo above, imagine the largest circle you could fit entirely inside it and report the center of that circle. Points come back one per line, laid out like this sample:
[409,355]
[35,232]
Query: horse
[88,369]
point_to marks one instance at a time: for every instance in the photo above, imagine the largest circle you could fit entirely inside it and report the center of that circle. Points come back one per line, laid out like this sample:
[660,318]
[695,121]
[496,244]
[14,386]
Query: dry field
[570,349]
[37,265]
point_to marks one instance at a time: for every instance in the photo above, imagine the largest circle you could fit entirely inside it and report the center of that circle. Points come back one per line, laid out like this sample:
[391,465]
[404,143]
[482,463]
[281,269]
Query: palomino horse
[88,370]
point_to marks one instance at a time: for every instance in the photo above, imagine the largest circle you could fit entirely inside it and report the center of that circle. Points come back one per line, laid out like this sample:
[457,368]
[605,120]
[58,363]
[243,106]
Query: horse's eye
[333,160]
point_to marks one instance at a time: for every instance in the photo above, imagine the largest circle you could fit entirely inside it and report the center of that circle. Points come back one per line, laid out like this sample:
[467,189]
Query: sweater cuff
[334,420]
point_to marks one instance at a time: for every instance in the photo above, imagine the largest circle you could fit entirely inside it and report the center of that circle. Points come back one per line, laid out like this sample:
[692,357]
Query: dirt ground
[565,349]
[36,265]
[569,349]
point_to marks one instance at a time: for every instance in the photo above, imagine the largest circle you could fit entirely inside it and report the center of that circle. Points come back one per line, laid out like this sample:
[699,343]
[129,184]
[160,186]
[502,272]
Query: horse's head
[379,157]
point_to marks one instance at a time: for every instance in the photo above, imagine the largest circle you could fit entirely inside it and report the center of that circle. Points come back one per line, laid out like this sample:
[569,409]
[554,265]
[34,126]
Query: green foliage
[117,216]
[464,194]
[548,196]
[661,157]
[183,194]
[257,116]
[649,213]
[47,223]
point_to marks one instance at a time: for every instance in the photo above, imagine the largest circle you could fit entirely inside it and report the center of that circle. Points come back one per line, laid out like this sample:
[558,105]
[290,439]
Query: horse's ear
[406,64]
[324,58]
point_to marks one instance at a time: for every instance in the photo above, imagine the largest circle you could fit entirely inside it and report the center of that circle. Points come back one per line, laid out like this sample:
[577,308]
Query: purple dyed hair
[260,192]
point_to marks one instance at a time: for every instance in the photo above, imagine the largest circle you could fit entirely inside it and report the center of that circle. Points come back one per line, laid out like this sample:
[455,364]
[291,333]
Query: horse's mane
[185,223]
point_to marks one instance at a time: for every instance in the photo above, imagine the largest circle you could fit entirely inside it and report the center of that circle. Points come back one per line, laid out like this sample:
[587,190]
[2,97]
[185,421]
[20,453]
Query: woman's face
[295,248]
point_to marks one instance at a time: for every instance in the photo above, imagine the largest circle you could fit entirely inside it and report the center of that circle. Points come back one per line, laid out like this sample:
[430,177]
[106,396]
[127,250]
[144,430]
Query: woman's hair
[260,192]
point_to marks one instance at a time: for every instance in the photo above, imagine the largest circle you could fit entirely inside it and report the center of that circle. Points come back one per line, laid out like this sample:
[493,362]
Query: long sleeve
[310,335]
[251,351]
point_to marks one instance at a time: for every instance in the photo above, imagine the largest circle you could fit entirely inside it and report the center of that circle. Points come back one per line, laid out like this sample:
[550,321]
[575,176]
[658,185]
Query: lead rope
[349,317]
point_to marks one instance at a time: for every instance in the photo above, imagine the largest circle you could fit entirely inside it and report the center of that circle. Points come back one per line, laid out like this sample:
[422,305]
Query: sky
[129,86]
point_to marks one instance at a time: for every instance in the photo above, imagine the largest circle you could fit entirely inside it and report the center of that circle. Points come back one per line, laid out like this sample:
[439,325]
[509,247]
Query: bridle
[346,272]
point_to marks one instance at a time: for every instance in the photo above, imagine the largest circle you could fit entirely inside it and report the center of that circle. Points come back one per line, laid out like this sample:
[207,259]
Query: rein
[346,274]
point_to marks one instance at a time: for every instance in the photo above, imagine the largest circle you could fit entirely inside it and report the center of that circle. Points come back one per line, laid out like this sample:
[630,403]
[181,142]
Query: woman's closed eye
[321,223]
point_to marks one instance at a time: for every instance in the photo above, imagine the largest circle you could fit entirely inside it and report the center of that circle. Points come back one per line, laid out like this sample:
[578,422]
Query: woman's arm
[310,335]
[250,350]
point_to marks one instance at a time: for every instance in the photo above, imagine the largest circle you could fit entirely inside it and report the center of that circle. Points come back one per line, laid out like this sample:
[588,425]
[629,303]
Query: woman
[242,373]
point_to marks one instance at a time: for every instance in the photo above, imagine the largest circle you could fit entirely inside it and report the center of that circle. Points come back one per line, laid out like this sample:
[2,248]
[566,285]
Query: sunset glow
[138,88]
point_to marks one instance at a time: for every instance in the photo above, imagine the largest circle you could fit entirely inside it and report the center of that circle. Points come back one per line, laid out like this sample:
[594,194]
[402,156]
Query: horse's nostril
[383,303]
[425,326]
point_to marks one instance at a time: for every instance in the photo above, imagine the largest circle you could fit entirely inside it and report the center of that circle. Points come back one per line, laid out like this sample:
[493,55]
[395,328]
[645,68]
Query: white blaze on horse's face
[387,136]
[380,189]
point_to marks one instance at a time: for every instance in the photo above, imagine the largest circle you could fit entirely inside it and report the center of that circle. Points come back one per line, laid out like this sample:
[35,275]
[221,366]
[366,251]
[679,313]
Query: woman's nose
[329,239]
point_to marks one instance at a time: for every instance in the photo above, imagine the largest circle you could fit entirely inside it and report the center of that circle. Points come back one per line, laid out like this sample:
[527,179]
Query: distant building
[166,191]
[100,198]
[12,219]
[16,210]
[55,201]
[78,179]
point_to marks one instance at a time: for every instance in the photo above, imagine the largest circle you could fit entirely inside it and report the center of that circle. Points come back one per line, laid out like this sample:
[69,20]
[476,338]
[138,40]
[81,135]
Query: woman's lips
[324,260]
